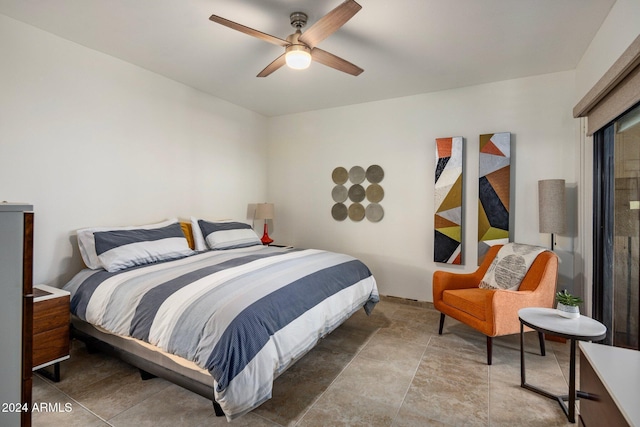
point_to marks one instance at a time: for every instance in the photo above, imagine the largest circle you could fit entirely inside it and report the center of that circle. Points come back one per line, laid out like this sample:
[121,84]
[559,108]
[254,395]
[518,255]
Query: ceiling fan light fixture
[298,57]
[298,46]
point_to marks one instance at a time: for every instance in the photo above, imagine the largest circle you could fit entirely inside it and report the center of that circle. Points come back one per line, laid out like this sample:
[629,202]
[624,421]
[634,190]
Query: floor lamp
[551,207]
[264,211]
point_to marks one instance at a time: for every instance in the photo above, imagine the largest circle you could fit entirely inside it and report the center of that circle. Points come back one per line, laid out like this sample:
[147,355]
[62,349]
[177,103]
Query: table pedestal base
[570,410]
[547,321]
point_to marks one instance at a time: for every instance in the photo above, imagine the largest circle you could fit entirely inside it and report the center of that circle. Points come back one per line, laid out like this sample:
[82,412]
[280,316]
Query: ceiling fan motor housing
[298,19]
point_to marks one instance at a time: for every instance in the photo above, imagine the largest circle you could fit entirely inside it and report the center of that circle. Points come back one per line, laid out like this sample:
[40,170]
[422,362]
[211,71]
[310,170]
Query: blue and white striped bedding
[243,314]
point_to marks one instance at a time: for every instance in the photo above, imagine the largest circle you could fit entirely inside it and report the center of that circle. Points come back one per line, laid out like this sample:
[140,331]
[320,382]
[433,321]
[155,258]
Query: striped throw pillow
[87,244]
[228,234]
[120,249]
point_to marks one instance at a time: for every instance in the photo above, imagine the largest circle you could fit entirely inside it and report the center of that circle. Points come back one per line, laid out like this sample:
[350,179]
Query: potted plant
[568,304]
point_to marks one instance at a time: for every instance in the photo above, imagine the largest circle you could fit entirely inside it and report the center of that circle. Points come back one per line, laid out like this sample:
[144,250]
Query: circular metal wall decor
[356,175]
[363,185]
[374,212]
[340,175]
[339,212]
[339,193]
[375,193]
[356,193]
[356,212]
[374,174]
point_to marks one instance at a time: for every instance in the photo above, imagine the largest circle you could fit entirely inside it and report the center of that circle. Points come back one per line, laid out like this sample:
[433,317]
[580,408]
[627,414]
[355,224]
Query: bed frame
[96,340]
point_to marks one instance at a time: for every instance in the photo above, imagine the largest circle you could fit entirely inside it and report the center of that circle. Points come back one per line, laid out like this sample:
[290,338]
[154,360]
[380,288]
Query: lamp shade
[551,206]
[264,211]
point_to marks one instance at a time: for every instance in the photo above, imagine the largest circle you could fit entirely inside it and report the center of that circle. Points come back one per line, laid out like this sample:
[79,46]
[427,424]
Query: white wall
[399,135]
[619,29]
[92,140]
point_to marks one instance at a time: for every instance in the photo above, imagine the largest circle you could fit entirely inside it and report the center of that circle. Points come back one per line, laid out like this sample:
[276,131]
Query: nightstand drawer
[50,314]
[50,345]
[51,319]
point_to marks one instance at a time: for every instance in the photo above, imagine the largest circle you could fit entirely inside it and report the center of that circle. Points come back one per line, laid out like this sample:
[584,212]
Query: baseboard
[407,301]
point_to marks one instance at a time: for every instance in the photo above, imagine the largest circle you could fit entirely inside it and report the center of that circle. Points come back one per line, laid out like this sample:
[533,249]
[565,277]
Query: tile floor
[389,369]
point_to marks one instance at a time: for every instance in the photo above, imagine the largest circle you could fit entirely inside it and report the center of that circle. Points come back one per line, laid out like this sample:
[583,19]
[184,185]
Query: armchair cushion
[509,266]
[471,301]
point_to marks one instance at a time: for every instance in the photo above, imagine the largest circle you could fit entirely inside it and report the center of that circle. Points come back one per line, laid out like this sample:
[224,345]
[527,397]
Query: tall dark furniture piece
[16,312]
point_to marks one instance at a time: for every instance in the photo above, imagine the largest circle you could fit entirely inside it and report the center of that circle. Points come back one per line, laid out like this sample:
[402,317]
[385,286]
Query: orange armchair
[494,312]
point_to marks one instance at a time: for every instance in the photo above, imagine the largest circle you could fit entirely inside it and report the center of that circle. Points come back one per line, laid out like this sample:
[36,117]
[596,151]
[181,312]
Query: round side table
[547,320]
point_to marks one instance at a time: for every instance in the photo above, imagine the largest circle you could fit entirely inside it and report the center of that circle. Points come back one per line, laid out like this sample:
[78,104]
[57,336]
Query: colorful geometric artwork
[448,201]
[494,191]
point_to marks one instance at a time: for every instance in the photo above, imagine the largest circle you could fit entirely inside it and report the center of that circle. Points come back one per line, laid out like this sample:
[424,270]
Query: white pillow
[228,234]
[120,249]
[87,245]
[198,239]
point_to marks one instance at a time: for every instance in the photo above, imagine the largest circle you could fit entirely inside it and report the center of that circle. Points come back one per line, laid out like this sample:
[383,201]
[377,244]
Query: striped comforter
[244,314]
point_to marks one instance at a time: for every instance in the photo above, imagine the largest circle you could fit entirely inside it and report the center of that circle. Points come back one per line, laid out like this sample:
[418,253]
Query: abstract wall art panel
[494,191]
[448,201]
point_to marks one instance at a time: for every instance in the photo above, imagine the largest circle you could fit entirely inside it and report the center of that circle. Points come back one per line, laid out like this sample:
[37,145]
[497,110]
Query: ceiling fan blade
[329,23]
[330,60]
[277,63]
[250,31]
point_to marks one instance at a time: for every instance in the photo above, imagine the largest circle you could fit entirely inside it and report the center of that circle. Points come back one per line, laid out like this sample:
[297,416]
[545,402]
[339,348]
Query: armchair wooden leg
[441,323]
[489,349]
[542,347]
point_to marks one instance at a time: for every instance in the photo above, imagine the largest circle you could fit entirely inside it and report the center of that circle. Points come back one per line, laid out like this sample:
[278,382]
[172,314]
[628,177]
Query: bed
[221,322]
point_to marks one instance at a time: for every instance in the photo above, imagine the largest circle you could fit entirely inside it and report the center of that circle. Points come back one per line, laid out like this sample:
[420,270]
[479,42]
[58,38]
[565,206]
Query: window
[616,290]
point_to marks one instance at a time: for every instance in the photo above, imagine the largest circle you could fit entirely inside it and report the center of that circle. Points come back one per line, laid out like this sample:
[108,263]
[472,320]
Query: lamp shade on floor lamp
[551,207]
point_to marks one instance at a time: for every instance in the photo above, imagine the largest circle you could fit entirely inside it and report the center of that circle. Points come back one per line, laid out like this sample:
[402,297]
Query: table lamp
[264,211]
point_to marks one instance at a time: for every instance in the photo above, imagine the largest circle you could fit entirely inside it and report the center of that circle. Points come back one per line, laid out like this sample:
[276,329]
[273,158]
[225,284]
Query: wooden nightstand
[50,329]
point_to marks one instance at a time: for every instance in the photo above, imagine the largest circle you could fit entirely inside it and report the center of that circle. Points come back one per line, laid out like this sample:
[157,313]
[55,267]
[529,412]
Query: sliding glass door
[617,229]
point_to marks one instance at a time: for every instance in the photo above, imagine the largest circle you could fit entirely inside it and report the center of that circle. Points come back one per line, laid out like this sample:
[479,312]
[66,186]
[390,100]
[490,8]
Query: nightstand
[50,329]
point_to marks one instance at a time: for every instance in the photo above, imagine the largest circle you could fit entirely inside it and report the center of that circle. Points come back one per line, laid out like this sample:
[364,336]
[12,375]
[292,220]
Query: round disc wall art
[354,188]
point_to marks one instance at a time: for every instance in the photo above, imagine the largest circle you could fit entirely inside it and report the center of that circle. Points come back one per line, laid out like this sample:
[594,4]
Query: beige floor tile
[302,384]
[375,380]
[388,369]
[440,362]
[410,417]
[348,339]
[83,369]
[116,394]
[401,353]
[512,405]
[57,409]
[341,408]
[173,406]
[408,330]
[387,307]
[447,400]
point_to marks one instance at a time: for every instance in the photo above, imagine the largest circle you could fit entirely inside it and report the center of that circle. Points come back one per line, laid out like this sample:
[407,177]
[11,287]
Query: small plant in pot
[568,304]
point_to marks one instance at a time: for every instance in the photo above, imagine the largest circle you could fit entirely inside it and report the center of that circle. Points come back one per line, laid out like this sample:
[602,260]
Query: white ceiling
[406,47]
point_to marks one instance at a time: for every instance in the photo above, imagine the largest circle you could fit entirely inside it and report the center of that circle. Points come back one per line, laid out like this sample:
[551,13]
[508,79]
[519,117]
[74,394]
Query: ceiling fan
[300,48]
